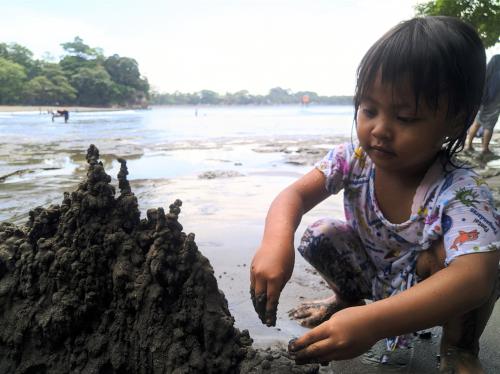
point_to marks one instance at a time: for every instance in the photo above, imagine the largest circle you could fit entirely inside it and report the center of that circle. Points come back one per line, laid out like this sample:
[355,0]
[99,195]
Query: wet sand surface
[88,286]
[226,210]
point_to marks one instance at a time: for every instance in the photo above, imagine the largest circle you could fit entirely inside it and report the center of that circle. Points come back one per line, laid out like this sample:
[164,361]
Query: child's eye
[370,113]
[405,119]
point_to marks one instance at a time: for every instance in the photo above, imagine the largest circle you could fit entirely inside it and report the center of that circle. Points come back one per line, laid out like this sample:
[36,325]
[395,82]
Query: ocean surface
[39,159]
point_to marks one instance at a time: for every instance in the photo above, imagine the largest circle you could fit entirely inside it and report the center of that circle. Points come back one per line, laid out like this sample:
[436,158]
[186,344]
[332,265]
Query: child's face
[397,138]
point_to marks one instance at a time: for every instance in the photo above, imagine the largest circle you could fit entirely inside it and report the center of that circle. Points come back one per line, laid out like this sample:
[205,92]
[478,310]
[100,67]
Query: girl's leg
[335,251]
[460,339]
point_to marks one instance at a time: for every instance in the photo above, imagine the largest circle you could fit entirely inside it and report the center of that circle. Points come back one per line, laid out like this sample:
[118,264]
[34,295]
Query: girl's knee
[335,250]
[328,241]
[329,227]
[321,236]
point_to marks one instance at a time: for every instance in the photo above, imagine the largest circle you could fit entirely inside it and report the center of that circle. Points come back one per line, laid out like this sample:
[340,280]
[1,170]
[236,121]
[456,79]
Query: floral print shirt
[455,206]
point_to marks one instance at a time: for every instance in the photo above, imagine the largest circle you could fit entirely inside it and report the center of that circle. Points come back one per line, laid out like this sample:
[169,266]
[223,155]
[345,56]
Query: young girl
[421,236]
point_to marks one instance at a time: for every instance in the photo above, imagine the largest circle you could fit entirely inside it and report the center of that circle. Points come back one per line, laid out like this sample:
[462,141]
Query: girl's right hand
[271,269]
[273,262]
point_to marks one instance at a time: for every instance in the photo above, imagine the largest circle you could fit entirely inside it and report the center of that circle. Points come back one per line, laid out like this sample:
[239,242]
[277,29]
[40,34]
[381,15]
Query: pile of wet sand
[89,287]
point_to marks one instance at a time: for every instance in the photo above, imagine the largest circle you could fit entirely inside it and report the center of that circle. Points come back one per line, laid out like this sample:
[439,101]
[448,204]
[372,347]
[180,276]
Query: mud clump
[88,286]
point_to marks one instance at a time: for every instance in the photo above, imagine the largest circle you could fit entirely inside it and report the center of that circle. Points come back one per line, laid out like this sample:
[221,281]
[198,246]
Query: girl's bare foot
[313,313]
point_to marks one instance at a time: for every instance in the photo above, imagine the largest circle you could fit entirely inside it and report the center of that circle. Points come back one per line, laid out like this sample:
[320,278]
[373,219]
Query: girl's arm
[273,262]
[464,285]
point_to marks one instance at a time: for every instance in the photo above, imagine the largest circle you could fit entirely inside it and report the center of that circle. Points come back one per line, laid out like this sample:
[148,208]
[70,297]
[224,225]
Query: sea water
[40,158]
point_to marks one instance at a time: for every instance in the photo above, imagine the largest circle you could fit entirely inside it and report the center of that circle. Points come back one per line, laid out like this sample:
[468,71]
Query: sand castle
[89,287]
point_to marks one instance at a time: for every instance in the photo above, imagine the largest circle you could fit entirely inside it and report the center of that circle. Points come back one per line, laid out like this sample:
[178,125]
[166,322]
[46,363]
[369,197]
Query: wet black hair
[441,57]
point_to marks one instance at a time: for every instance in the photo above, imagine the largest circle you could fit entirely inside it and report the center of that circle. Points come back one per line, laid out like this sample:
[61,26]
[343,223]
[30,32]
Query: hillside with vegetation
[83,76]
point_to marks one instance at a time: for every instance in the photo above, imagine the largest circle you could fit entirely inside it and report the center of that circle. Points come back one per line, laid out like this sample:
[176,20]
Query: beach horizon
[44,109]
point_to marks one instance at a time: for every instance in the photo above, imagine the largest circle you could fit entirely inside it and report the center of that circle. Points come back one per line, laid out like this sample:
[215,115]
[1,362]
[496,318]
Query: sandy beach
[224,204]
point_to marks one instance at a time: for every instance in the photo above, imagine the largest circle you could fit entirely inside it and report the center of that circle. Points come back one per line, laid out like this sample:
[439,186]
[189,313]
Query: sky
[220,45]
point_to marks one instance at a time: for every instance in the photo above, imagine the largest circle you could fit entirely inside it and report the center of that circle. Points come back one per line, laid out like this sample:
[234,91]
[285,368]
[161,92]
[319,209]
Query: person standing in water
[61,113]
[487,116]
[421,234]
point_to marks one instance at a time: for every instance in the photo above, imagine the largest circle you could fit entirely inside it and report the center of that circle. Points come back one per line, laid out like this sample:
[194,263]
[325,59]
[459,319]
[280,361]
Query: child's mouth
[382,151]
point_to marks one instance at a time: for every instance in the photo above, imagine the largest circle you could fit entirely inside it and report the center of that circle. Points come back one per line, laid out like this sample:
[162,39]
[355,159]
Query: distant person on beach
[489,111]
[421,234]
[61,113]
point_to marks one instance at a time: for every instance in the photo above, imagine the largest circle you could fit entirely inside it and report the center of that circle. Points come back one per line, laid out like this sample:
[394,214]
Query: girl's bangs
[400,63]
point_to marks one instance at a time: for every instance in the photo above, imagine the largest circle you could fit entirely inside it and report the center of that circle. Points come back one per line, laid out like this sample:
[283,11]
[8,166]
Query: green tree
[62,91]
[163,98]
[79,49]
[94,86]
[125,70]
[209,97]
[241,97]
[122,94]
[4,51]
[51,70]
[20,55]
[39,91]
[71,64]
[12,78]
[82,76]
[79,55]
[278,95]
[484,15]
[130,87]
[43,91]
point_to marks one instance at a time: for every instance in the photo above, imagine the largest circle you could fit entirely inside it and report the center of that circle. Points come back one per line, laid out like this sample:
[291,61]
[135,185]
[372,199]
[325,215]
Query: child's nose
[382,128]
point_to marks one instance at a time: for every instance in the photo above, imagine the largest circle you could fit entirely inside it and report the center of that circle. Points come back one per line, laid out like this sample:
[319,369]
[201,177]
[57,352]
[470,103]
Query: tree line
[276,96]
[83,76]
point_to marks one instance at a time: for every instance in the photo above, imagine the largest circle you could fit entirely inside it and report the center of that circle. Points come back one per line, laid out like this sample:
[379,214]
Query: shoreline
[43,109]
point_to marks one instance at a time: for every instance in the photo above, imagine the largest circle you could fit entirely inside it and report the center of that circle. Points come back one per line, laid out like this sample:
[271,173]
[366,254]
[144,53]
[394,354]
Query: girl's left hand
[347,334]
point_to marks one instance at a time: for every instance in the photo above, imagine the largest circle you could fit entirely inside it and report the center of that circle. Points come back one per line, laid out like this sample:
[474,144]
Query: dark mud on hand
[89,287]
